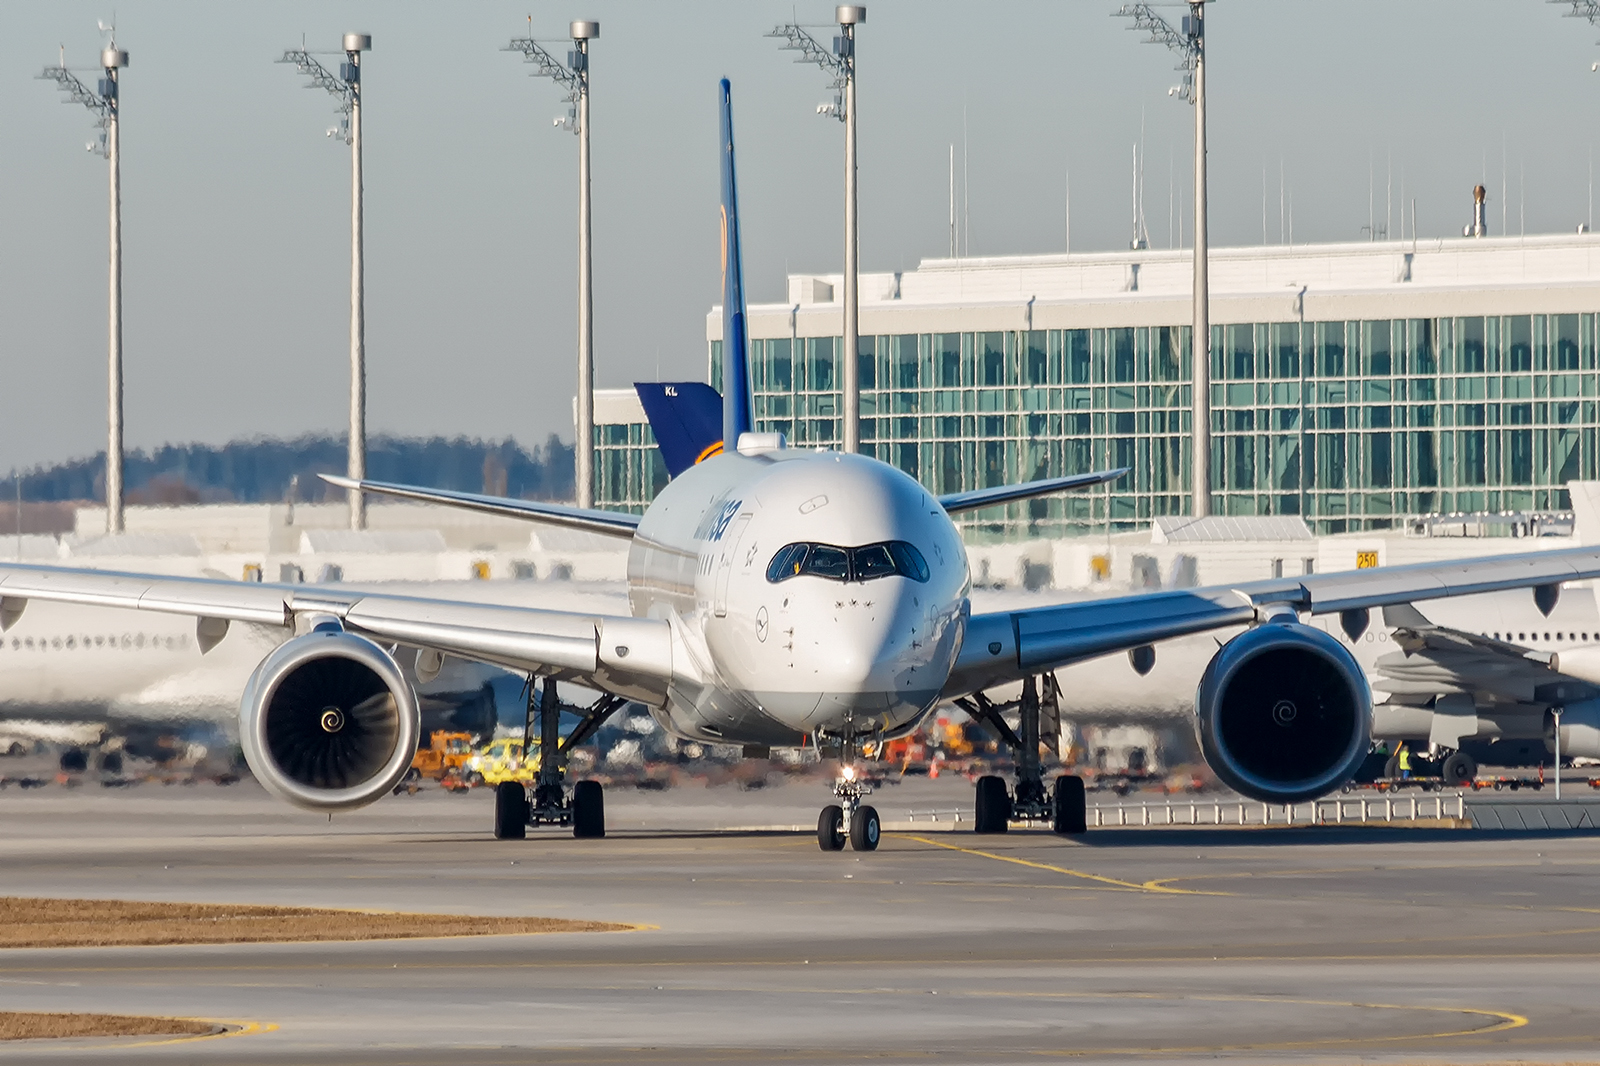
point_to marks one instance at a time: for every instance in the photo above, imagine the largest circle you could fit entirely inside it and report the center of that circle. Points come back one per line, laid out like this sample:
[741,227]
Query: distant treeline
[260,471]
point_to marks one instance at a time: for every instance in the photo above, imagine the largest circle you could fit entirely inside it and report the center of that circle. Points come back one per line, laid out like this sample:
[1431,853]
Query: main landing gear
[1064,804]
[585,811]
[849,819]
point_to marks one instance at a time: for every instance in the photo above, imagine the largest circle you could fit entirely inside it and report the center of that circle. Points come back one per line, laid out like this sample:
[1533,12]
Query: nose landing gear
[1063,805]
[849,819]
[585,812]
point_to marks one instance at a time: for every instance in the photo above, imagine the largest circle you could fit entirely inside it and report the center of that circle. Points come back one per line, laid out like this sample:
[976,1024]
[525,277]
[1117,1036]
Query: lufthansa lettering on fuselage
[720,520]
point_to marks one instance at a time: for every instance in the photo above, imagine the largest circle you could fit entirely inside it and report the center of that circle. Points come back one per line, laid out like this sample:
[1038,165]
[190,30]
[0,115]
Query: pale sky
[236,205]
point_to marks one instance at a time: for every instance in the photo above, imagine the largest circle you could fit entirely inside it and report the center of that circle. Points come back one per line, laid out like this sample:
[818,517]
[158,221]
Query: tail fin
[686,417]
[736,414]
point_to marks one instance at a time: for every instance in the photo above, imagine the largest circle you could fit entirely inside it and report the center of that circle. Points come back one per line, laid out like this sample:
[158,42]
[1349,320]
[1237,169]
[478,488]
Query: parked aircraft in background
[780,597]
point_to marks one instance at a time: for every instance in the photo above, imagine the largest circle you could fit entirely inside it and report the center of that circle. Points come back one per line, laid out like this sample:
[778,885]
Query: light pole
[346,86]
[1189,43]
[841,63]
[1555,712]
[574,76]
[105,102]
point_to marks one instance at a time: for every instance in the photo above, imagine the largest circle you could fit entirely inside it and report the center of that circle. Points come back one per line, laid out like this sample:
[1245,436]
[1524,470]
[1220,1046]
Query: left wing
[619,654]
[1008,645]
[956,502]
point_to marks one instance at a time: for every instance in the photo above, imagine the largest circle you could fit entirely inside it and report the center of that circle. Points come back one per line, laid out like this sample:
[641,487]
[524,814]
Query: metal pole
[584,453]
[848,16]
[354,43]
[1555,712]
[1201,345]
[111,60]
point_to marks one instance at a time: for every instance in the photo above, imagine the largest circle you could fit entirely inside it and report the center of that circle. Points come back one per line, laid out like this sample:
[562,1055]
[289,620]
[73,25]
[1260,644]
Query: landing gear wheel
[830,828]
[510,811]
[1072,806]
[1459,769]
[1391,769]
[993,813]
[588,810]
[865,829]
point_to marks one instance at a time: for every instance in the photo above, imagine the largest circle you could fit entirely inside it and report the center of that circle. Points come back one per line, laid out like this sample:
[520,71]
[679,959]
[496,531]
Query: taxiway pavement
[1316,945]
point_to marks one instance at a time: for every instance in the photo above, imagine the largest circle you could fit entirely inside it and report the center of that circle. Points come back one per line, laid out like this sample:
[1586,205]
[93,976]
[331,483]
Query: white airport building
[1354,385]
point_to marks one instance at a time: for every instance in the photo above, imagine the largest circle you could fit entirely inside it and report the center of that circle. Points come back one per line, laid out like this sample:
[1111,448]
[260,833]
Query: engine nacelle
[1284,713]
[328,721]
[1580,730]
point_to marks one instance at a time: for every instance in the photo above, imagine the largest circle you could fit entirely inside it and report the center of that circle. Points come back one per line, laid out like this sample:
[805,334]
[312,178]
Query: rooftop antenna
[1188,40]
[105,101]
[573,76]
[346,88]
[840,62]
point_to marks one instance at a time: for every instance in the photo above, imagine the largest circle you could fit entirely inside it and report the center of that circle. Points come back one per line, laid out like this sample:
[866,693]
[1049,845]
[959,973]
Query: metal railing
[1340,810]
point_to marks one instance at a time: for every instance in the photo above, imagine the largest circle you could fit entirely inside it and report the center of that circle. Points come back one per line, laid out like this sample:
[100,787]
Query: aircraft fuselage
[853,631]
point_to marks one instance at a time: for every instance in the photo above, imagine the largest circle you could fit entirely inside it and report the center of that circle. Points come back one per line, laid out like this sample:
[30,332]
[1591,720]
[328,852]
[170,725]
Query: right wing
[626,656]
[1006,646]
[589,520]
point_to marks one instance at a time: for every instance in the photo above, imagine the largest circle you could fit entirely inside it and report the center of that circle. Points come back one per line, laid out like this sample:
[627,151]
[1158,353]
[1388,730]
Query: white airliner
[781,596]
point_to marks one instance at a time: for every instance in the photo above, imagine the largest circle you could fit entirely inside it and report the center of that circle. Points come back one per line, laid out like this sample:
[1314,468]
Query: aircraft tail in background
[686,417]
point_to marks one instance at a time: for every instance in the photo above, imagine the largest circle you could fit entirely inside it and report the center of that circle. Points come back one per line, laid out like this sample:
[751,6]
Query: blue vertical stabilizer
[686,417]
[736,418]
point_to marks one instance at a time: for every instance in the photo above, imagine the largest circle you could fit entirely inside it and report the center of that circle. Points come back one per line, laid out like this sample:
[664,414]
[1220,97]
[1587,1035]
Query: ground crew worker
[1404,755]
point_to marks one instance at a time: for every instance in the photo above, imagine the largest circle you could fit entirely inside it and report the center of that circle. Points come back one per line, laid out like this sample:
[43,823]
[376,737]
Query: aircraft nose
[873,662]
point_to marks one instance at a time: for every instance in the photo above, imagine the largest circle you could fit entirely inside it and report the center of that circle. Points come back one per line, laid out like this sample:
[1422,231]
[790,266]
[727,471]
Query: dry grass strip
[71,923]
[29,1026]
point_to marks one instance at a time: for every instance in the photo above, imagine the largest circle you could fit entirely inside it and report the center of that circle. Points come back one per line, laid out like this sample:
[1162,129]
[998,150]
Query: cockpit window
[824,560]
[787,562]
[866,563]
[872,561]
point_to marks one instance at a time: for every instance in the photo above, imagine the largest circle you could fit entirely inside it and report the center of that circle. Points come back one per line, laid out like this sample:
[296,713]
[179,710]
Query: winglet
[736,405]
[1405,616]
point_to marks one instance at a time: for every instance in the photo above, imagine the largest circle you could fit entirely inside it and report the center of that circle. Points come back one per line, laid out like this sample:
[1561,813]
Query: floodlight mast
[573,75]
[841,63]
[346,86]
[1189,43]
[105,102]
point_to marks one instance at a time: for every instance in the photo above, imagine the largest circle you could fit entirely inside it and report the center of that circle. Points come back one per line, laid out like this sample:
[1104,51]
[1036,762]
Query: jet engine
[1284,713]
[328,721]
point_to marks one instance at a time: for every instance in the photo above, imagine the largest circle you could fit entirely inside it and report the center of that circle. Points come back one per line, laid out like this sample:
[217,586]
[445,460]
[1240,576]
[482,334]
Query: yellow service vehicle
[502,760]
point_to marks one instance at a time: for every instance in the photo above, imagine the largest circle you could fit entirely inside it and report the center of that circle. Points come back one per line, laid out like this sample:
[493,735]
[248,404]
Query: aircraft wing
[627,656]
[589,520]
[1414,632]
[956,502]
[1007,645]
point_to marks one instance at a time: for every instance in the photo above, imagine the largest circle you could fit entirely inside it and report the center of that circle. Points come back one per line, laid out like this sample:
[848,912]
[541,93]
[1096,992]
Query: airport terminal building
[1352,384]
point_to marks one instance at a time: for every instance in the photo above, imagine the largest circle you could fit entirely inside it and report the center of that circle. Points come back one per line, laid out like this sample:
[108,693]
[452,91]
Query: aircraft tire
[1459,769]
[510,811]
[588,810]
[865,829]
[1391,769]
[993,807]
[830,828]
[1071,806]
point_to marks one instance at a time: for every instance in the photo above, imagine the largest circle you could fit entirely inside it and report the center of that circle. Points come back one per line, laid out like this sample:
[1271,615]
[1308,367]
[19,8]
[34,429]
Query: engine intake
[328,721]
[1284,712]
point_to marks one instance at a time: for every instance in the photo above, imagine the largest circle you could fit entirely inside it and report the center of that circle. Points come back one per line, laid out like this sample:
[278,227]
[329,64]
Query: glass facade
[1352,424]
[628,471]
